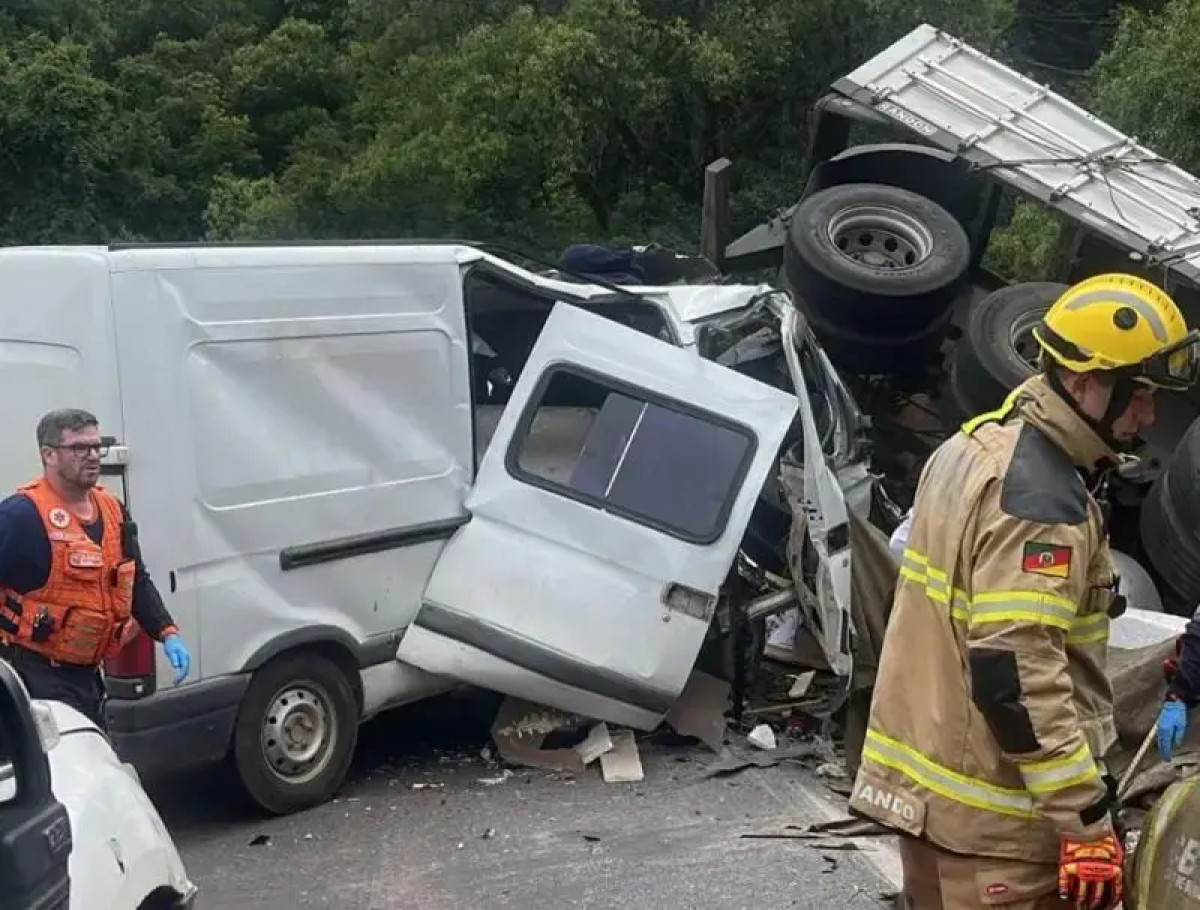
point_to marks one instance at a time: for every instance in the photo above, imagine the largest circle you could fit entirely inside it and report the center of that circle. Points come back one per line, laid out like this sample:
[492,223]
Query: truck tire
[866,254]
[866,354]
[993,356]
[1168,526]
[296,732]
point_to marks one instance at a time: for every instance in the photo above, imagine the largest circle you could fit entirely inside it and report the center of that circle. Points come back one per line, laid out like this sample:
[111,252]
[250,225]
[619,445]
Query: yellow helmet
[1121,324]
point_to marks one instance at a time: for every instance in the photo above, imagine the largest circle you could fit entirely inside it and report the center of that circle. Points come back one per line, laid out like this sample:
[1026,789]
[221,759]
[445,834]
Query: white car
[77,831]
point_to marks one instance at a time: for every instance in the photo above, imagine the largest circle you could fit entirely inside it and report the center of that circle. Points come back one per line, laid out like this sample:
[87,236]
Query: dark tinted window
[626,451]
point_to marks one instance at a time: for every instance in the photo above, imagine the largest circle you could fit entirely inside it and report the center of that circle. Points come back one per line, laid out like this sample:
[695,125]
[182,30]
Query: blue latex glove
[178,655]
[1172,725]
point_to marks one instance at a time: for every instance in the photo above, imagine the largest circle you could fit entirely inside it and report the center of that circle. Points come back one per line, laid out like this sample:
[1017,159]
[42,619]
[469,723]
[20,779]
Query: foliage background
[533,122]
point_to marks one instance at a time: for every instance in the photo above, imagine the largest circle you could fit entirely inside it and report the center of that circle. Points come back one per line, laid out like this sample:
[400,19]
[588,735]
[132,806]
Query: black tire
[1169,528]
[922,250]
[305,686]
[865,354]
[989,360]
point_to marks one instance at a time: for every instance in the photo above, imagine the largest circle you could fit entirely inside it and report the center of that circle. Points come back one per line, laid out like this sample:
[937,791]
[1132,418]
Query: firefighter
[74,588]
[992,710]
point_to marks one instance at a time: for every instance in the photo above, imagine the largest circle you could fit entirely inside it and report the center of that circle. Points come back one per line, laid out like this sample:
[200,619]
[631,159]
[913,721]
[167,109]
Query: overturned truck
[885,257]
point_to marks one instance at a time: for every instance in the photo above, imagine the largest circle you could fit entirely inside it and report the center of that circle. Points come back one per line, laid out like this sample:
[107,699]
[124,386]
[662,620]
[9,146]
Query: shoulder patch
[1041,484]
[1042,558]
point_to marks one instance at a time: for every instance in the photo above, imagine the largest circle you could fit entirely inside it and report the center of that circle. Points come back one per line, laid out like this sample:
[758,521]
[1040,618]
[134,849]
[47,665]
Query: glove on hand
[1091,874]
[1172,725]
[178,655]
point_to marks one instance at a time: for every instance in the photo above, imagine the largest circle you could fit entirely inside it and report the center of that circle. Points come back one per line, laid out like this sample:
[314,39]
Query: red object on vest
[88,594]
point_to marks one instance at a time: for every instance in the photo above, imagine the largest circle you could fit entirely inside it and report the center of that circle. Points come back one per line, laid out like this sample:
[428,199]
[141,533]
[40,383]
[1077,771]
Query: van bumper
[176,729]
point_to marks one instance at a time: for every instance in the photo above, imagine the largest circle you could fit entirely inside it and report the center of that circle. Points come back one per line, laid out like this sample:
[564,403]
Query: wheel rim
[1020,336]
[880,237]
[299,732]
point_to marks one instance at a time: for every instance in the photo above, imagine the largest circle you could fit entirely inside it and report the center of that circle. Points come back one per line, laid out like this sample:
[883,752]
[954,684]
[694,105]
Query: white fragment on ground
[493,781]
[621,764]
[763,737]
[831,771]
[429,786]
[598,742]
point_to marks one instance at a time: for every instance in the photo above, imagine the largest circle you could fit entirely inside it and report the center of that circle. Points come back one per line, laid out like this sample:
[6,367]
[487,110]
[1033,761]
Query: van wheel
[295,733]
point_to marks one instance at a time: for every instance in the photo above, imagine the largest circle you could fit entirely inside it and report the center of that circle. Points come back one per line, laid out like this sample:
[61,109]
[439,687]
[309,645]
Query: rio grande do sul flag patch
[1046,559]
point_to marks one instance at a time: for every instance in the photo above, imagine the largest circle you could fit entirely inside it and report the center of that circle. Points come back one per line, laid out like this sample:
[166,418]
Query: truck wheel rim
[1020,336]
[298,732]
[880,237]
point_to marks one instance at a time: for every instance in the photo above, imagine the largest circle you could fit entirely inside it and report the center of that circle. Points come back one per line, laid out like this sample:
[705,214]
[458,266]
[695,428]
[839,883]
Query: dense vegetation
[536,122]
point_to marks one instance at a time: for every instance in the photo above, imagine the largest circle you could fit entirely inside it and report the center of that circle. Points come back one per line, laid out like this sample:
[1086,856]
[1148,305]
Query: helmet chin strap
[1122,394]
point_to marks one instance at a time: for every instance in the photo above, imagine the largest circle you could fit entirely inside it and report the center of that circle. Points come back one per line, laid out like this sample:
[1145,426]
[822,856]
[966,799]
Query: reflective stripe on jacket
[991,705]
[88,594]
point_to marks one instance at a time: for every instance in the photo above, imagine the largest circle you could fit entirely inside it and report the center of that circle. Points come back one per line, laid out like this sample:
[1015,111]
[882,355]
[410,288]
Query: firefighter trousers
[937,880]
[80,687]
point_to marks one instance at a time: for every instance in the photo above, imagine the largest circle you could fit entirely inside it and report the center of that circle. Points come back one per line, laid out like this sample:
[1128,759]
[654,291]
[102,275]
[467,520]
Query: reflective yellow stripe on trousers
[1003,606]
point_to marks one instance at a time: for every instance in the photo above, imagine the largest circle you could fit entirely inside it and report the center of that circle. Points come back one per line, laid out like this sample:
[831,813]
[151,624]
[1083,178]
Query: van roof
[135,257]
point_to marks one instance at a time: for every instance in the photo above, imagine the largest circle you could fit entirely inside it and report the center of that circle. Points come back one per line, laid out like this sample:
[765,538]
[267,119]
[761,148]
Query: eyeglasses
[83,449]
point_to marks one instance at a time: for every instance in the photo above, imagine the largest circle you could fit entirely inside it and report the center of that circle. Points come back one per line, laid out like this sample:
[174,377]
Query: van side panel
[56,351]
[302,421]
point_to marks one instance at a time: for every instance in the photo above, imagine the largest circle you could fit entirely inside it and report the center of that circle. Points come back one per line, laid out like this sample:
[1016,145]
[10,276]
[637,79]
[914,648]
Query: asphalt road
[415,828]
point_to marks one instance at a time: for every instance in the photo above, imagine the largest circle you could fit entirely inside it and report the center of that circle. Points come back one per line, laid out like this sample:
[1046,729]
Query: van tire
[906,260]
[304,692]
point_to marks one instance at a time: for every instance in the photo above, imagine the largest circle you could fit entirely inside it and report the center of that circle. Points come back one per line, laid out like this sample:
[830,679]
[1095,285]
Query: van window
[628,451]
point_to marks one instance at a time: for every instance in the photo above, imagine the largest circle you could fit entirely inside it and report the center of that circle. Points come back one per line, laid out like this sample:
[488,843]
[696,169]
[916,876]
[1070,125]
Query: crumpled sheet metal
[873,574]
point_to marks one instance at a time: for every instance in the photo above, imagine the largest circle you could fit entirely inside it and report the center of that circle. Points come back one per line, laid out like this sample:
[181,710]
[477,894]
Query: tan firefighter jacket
[991,704]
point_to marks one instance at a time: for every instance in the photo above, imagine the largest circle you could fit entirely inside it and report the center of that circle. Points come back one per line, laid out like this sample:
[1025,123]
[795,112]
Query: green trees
[536,123]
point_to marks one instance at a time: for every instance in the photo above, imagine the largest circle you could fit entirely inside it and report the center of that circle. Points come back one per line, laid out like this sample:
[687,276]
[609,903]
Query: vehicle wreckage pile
[891,332]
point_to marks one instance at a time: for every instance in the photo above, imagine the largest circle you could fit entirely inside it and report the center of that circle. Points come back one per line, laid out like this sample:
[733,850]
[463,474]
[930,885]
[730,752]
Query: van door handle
[680,598]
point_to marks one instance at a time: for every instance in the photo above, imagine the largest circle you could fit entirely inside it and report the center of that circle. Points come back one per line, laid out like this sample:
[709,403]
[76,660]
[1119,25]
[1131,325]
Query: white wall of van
[299,431]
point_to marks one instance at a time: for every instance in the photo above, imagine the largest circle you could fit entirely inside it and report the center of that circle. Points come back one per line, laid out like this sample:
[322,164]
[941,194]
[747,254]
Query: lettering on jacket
[887,801]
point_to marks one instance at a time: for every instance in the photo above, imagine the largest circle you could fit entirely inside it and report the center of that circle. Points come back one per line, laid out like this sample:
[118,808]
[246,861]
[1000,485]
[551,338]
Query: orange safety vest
[88,593]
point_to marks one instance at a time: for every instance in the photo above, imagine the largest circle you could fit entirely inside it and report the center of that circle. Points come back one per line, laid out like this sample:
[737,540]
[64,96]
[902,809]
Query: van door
[606,513]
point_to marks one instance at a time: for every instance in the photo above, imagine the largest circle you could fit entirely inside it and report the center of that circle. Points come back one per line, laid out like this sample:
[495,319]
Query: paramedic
[985,752]
[73,588]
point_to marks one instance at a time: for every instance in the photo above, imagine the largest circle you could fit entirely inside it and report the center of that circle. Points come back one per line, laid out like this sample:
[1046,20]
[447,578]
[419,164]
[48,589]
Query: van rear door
[606,513]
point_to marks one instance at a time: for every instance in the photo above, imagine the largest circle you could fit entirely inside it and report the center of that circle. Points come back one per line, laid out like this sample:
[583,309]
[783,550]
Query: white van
[349,504]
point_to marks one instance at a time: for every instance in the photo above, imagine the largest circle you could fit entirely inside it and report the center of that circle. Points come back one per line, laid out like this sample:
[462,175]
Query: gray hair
[51,427]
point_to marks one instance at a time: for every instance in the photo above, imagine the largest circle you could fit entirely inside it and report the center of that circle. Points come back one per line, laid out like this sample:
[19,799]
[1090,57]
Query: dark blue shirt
[25,560]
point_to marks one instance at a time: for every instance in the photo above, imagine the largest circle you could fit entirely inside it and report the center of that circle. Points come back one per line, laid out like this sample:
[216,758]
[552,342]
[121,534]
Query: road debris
[700,710]
[622,764]
[521,730]
[731,762]
[763,737]
[800,687]
[598,743]
[428,786]
[493,781]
